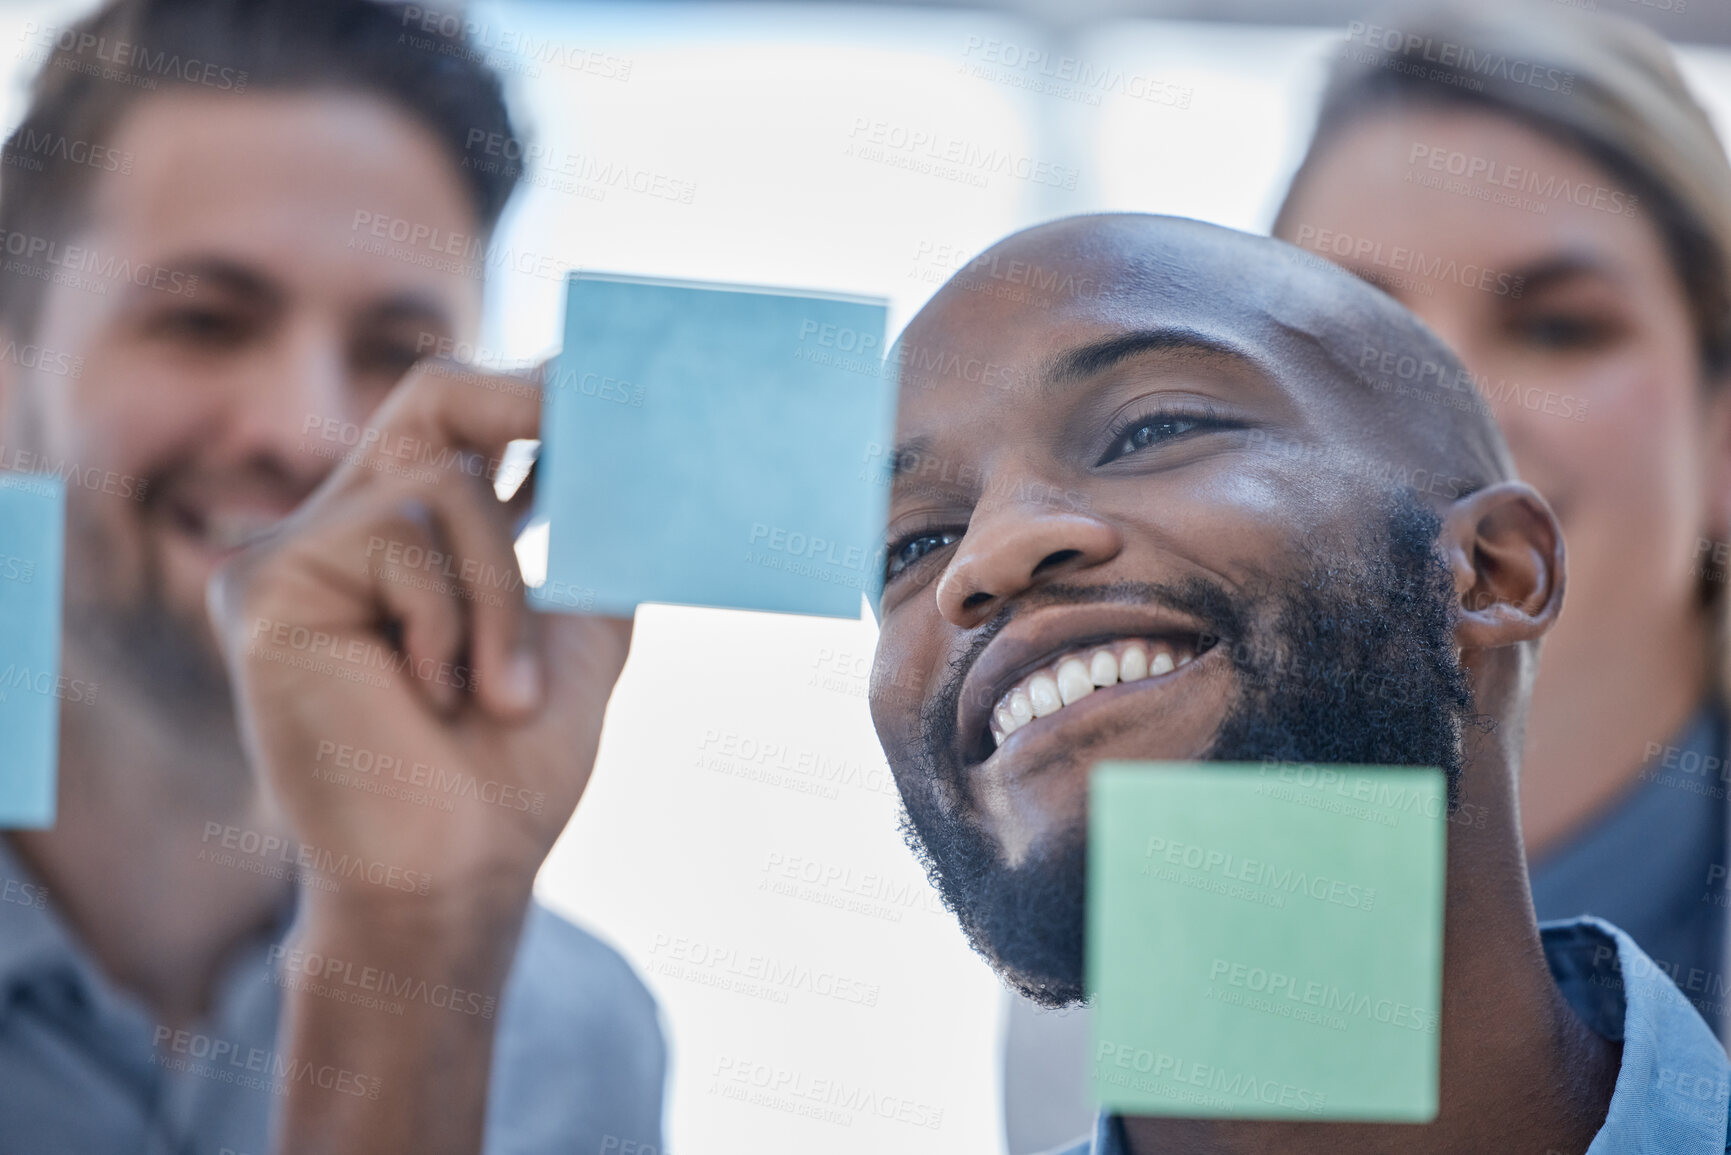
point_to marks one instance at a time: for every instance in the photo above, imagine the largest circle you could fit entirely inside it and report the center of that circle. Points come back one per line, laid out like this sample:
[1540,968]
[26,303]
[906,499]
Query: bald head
[1174,280]
[1167,491]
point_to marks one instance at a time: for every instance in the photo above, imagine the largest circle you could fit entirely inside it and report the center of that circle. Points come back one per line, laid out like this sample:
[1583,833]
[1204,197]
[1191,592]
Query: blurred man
[1254,540]
[227,231]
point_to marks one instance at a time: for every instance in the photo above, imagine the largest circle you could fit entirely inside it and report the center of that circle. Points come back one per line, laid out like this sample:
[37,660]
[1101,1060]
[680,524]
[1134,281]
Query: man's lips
[222,530]
[1040,653]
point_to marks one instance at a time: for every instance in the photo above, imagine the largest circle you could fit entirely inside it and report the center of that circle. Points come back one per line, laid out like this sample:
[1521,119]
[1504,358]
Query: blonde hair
[1600,84]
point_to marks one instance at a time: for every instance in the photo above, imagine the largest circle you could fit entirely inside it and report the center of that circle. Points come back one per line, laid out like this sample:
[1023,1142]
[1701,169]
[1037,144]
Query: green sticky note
[1265,941]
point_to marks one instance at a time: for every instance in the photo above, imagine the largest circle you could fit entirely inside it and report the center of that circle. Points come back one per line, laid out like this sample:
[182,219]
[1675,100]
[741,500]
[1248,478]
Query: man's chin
[1027,921]
[1049,991]
[185,566]
[168,656]
[1033,932]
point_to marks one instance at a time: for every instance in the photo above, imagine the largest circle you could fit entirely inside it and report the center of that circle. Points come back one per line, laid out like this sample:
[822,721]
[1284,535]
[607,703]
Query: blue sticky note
[32,541]
[714,445]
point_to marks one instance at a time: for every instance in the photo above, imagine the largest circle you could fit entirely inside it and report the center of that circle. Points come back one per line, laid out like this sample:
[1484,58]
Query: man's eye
[386,358]
[1560,332]
[202,326]
[1142,432]
[912,548]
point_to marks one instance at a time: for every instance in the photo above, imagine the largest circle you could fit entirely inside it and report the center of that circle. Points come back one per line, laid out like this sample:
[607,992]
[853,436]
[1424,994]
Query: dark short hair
[416,57]
[1602,85]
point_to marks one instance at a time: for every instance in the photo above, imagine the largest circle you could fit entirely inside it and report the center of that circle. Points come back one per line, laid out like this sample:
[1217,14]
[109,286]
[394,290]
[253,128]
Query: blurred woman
[1538,184]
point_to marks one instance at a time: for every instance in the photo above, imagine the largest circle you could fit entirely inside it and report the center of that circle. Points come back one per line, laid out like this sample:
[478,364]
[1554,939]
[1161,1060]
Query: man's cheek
[111,545]
[899,688]
[894,700]
[895,717]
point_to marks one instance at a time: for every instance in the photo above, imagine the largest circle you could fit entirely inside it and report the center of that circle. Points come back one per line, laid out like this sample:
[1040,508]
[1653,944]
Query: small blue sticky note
[32,542]
[1265,940]
[714,445]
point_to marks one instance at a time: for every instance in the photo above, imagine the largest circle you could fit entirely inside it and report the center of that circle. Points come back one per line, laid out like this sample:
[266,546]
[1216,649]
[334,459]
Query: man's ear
[1505,549]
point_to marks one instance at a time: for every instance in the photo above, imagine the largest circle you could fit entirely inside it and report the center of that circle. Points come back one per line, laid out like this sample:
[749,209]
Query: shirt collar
[1674,1083]
[1108,1137]
[36,944]
[32,939]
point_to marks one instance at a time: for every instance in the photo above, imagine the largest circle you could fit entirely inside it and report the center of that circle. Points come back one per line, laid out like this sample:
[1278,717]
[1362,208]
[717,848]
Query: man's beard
[1347,663]
[141,640]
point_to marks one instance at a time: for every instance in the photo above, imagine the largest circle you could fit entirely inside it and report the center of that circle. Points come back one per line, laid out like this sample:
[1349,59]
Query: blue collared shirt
[578,1059]
[1673,1087]
[1647,864]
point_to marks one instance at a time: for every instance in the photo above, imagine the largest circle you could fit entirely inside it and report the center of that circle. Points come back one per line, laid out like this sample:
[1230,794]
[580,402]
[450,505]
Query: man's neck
[131,864]
[1519,1069]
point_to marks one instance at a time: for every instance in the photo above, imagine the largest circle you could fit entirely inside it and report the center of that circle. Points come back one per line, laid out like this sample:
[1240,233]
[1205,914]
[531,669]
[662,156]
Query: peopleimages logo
[267,847]
[1485,177]
[813,556]
[340,973]
[572,172]
[125,60]
[1201,1083]
[1410,52]
[1065,77]
[1255,872]
[478,41]
[226,1061]
[1404,375]
[1400,259]
[31,147]
[46,683]
[86,268]
[356,766]
[1328,998]
[20,465]
[829,1100]
[938,154]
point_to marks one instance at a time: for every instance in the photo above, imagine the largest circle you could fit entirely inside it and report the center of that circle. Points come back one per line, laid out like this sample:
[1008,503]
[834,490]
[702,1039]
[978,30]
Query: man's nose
[295,386]
[1011,548]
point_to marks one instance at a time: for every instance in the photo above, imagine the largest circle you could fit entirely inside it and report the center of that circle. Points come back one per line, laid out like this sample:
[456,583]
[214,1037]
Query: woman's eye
[1147,431]
[911,549]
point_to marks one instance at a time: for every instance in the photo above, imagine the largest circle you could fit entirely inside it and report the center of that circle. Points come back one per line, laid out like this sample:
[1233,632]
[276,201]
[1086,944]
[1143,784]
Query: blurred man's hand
[412,715]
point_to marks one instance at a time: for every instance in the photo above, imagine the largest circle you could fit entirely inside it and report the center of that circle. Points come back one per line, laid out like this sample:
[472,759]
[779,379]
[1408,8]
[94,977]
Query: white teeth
[228,531]
[1073,680]
[1005,722]
[1047,691]
[1043,694]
